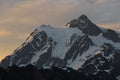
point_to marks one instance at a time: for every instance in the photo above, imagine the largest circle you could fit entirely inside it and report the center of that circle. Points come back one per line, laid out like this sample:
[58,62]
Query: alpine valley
[81,45]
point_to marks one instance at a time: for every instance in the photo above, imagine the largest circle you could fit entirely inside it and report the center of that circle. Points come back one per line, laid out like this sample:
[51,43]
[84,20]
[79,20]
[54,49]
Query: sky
[18,18]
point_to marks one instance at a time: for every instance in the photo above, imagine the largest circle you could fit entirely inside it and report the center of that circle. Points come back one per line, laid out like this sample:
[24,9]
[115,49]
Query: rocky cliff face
[82,46]
[84,24]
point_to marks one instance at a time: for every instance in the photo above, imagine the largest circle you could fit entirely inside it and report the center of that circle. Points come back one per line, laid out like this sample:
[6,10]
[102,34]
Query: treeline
[32,73]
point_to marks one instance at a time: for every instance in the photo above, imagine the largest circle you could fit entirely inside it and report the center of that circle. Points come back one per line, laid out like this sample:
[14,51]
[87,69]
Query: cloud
[96,1]
[111,26]
[4,33]
[26,15]
[29,13]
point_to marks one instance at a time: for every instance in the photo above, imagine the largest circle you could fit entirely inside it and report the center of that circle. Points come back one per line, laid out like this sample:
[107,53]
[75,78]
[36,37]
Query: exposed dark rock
[80,45]
[5,62]
[107,60]
[84,24]
[44,57]
[111,35]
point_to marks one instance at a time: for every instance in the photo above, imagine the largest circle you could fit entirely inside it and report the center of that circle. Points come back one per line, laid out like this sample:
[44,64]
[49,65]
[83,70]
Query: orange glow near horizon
[5,52]
[7,49]
[4,33]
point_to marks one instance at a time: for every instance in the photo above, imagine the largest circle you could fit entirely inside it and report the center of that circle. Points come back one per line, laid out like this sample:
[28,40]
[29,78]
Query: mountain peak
[83,18]
[84,24]
[82,46]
